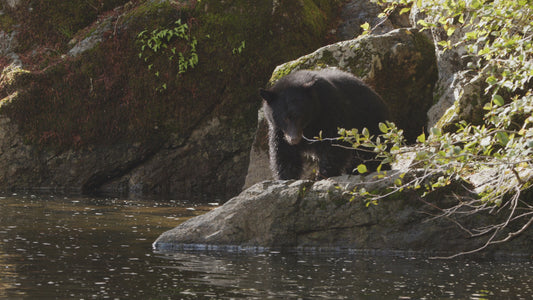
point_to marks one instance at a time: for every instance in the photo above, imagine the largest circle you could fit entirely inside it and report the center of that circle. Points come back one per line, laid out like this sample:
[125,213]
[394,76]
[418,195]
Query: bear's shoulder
[296,79]
[306,78]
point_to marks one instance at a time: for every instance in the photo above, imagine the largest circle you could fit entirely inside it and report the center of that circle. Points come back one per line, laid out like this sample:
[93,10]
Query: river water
[85,248]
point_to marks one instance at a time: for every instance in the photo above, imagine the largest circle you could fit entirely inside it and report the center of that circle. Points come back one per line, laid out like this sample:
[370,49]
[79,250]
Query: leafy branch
[159,43]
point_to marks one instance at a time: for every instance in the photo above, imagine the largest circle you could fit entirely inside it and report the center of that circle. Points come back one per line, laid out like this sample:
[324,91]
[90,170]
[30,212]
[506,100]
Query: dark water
[82,248]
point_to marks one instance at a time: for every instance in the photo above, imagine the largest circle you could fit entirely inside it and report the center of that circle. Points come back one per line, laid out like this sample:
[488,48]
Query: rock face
[355,13]
[459,92]
[399,65]
[66,172]
[87,114]
[319,215]
[208,165]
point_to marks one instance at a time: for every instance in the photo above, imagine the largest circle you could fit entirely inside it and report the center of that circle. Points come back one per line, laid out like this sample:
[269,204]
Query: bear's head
[290,109]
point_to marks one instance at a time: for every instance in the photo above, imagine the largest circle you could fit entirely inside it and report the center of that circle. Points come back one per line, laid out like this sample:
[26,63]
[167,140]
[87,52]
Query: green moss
[13,77]
[287,68]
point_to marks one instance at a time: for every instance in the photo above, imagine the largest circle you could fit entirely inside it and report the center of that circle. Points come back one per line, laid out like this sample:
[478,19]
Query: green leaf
[472,35]
[361,169]
[498,100]
[383,128]
[445,44]
[436,131]
[424,24]
[421,138]
[475,4]
[450,31]
[485,141]
[365,132]
[502,137]
[405,10]
[421,155]
[141,33]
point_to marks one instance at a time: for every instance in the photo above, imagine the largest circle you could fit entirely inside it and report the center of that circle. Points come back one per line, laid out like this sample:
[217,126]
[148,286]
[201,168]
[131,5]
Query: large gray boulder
[459,92]
[320,216]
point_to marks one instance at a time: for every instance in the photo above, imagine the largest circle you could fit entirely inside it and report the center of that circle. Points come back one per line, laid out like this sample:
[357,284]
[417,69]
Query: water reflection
[316,276]
[7,270]
[56,247]
[80,247]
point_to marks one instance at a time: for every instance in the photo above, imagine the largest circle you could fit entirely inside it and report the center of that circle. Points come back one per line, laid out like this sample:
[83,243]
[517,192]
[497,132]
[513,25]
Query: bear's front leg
[332,161]
[285,160]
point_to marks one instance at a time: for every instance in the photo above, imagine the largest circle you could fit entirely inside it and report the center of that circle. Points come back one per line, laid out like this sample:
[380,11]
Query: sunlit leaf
[498,100]
[383,128]
[421,138]
[436,131]
[405,10]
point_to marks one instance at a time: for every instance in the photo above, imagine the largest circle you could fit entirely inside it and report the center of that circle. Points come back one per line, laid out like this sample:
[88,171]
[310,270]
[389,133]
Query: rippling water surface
[84,248]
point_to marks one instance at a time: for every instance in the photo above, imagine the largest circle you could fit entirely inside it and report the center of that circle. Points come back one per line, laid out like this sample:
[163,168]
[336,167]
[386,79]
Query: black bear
[305,104]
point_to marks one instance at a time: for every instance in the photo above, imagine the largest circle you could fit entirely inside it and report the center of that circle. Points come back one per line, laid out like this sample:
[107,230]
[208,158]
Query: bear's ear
[268,95]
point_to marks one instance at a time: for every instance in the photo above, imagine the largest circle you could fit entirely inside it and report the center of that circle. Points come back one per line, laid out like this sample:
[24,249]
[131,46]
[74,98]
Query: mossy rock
[106,95]
[399,65]
[111,79]
[54,22]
